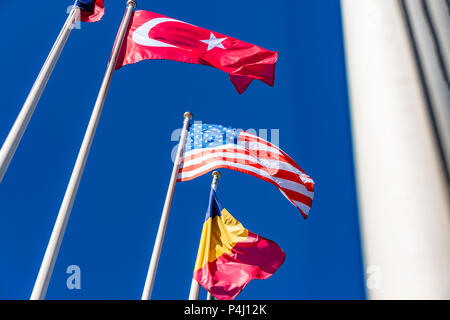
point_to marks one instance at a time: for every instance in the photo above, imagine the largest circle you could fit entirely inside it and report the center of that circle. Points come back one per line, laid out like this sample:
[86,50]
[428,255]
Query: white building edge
[397,56]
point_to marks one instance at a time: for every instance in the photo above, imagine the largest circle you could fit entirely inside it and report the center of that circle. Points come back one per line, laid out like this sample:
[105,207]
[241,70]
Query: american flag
[209,147]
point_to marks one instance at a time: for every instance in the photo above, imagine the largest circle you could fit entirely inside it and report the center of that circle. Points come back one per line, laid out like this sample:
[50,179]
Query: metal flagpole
[42,281]
[216,175]
[195,286]
[15,134]
[147,293]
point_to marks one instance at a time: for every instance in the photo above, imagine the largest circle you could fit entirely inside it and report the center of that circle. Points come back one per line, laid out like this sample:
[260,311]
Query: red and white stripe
[257,157]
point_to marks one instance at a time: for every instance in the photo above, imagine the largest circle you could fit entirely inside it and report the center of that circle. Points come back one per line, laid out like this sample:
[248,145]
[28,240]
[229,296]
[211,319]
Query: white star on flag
[214,42]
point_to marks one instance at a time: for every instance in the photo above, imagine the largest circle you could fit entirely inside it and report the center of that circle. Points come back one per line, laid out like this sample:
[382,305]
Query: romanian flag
[229,256]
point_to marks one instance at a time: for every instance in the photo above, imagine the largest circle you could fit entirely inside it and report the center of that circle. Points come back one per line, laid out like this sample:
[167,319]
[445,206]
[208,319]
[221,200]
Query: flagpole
[12,141]
[149,281]
[48,263]
[195,286]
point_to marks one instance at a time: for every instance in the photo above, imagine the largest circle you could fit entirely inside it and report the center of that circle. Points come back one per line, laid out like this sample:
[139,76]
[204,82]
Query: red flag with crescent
[154,36]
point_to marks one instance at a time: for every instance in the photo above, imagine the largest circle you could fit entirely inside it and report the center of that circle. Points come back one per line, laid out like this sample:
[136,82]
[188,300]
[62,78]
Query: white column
[402,192]
[439,14]
[432,69]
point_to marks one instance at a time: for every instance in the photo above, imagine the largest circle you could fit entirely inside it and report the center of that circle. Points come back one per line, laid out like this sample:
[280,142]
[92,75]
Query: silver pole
[216,175]
[48,263]
[147,293]
[15,134]
[195,286]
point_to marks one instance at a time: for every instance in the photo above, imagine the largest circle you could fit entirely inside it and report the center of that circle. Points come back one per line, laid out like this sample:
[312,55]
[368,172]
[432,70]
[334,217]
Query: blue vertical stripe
[86,5]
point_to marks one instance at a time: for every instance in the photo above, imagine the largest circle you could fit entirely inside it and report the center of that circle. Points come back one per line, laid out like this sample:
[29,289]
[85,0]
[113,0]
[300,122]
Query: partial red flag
[91,10]
[154,36]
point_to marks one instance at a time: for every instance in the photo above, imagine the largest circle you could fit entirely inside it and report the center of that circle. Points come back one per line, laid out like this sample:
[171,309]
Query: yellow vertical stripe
[219,235]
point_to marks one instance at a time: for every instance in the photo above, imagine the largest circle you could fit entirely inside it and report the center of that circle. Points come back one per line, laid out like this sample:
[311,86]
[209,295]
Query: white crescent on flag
[141,34]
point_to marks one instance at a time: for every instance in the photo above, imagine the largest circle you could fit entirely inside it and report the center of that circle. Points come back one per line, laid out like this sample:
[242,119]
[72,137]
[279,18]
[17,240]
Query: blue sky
[114,221]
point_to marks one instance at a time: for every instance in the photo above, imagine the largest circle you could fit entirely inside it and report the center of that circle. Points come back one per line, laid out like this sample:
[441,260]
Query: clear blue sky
[114,221]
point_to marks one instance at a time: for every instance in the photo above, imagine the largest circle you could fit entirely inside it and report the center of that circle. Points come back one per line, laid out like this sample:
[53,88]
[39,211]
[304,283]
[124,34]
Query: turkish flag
[154,36]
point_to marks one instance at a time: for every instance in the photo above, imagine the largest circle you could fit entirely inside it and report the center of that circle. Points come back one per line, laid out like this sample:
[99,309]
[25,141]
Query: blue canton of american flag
[210,147]
[210,135]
